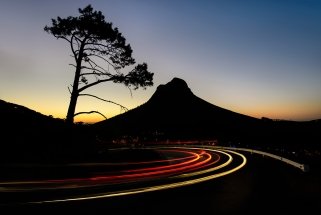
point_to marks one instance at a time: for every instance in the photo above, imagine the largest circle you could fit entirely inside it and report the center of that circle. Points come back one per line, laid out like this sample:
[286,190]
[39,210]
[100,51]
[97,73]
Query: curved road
[180,166]
[262,186]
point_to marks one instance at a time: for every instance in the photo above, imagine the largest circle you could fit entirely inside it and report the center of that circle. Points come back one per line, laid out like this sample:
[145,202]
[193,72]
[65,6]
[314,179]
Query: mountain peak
[176,88]
[177,82]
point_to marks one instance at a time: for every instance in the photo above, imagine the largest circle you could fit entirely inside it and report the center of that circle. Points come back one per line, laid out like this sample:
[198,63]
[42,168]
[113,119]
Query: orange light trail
[181,161]
[162,171]
[184,166]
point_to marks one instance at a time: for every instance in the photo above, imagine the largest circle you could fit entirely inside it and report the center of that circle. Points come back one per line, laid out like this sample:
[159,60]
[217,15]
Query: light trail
[159,187]
[186,166]
[135,174]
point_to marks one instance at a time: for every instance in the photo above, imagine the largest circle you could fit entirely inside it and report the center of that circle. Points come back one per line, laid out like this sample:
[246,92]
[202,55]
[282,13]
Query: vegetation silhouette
[100,53]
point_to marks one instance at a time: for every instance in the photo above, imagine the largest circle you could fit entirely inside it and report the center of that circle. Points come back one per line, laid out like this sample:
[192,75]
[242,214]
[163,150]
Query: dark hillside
[29,136]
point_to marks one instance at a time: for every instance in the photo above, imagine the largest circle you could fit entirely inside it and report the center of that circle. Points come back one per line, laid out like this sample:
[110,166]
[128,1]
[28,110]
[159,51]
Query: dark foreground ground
[264,186]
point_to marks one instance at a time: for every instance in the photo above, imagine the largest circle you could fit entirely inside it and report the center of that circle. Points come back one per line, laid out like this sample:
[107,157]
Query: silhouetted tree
[94,43]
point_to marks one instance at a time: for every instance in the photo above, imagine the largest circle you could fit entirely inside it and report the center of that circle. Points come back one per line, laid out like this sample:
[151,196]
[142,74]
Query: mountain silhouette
[174,111]
[29,136]
[16,116]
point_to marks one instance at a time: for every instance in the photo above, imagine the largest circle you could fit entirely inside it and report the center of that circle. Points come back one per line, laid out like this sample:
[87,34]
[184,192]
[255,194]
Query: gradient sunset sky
[255,57]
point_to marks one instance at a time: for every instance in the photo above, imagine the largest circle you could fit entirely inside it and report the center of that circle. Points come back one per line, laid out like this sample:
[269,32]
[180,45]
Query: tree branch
[130,90]
[100,45]
[90,112]
[62,37]
[122,107]
[94,83]
[104,59]
[72,47]
[90,62]
[91,73]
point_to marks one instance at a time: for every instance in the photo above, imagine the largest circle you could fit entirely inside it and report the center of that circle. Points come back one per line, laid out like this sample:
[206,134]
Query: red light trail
[180,166]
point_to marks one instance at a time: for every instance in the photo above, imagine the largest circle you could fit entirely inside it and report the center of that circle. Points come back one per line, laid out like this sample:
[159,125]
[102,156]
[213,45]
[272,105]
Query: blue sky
[259,58]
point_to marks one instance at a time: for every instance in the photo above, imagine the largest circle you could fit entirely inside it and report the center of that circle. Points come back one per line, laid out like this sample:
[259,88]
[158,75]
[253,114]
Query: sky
[260,58]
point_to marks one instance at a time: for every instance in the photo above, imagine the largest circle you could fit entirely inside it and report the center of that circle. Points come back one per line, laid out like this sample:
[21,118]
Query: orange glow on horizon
[285,111]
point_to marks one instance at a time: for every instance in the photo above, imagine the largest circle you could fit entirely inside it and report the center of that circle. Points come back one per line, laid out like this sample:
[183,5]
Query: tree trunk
[72,107]
[73,98]
[75,93]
